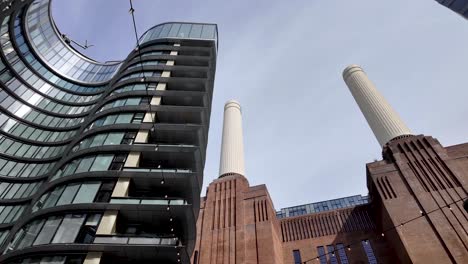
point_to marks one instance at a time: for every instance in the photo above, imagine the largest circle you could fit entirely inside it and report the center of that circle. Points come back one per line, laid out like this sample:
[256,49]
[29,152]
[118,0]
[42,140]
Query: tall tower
[237,223]
[101,162]
[232,145]
[383,120]
[418,179]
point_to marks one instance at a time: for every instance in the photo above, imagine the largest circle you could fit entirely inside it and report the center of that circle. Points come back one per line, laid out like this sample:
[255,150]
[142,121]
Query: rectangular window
[31,232]
[68,194]
[114,139]
[124,119]
[369,252]
[321,255]
[102,163]
[48,230]
[342,254]
[98,140]
[297,257]
[87,192]
[331,254]
[85,164]
[110,120]
[69,228]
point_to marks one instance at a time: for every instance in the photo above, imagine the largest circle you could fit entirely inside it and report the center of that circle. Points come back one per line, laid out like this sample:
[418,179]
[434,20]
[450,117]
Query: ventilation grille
[385,188]
[429,169]
[260,211]
[325,224]
[224,205]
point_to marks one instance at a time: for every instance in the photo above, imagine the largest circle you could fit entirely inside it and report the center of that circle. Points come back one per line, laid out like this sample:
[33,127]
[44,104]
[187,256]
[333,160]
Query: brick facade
[238,223]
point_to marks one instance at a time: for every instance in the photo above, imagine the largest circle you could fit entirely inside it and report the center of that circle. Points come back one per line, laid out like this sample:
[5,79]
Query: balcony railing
[154,201]
[135,240]
[158,170]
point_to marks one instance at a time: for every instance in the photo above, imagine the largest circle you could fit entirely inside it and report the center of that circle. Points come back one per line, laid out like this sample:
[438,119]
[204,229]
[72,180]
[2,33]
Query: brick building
[414,212]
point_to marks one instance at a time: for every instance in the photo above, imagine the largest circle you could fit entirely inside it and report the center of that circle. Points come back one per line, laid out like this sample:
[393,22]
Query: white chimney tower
[383,120]
[232,145]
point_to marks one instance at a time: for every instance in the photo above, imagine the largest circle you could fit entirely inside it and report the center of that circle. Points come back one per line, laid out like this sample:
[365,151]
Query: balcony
[154,201]
[136,240]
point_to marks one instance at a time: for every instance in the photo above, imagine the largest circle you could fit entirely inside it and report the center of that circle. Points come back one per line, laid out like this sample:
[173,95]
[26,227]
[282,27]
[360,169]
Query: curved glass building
[459,6]
[101,162]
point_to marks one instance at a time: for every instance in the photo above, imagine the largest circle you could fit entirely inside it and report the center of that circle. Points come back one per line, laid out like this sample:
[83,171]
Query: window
[48,231]
[87,192]
[369,252]
[10,213]
[102,163]
[118,162]
[54,229]
[73,193]
[30,233]
[321,255]
[98,140]
[195,257]
[128,138]
[105,192]
[85,164]
[68,194]
[114,139]
[297,257]
[332,254]
[342,254]
[69,228]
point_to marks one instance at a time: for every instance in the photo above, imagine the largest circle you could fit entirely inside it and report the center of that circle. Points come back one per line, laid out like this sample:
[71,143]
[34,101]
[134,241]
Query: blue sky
[305,137]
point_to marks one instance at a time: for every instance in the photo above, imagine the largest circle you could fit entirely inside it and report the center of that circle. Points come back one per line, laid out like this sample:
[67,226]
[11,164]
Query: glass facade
[101,156]
[322,206]
[459,6]
[181,30]
[57,54]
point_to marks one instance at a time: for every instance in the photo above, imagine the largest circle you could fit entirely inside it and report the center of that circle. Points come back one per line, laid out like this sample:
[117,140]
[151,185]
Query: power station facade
[101,162]
[413,213]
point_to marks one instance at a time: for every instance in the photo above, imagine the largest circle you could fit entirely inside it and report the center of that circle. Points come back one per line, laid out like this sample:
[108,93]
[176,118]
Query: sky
[304,135]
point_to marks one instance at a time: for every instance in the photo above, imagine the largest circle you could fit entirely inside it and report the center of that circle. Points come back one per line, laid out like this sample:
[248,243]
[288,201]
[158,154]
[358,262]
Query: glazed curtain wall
[83,142]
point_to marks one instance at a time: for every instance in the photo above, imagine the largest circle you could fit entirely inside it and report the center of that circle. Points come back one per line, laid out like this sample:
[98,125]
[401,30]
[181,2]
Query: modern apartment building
[101,162]
[413,214]
[458,6]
